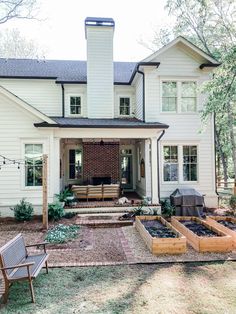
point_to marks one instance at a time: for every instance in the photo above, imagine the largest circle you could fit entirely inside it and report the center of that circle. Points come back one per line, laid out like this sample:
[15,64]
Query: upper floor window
[188,97]
[169,96]
[179,96]
[75,105]
[124,106]
[33,164]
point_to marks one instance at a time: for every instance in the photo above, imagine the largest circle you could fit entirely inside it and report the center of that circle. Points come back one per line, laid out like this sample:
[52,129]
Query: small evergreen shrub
[23,211]
[62,233]
[232,202]
[55,211]
[69,215]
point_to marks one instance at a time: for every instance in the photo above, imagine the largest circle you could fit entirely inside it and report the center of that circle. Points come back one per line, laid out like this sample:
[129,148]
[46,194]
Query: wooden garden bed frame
[212,220]
[161,245]
[223,243]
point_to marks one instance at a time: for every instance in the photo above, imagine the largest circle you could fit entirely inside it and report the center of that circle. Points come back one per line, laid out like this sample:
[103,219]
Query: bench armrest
[17,266]
[39,244]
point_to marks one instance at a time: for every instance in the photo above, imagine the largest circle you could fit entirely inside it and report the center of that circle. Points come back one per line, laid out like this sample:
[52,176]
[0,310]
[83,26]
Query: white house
[135,123]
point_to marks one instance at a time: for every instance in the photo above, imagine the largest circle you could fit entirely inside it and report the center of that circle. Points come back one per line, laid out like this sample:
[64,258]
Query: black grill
[187,202]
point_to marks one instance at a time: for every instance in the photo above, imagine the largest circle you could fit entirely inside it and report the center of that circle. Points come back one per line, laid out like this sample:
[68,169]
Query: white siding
[139,97]
[76,90]
[16,128]
[184,128]
[45,95]
[100,90]
[124,91]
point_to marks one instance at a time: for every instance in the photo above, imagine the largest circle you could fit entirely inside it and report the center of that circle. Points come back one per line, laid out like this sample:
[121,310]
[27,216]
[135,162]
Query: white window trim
[130,105]
[22,169]
[178,108]
[69,114]
[180,162]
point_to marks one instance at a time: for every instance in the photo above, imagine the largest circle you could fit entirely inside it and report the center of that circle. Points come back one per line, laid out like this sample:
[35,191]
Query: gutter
[158,165]
[63,100]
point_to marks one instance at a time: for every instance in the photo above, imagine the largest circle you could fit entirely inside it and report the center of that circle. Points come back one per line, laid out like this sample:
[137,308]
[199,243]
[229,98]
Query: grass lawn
[170,288]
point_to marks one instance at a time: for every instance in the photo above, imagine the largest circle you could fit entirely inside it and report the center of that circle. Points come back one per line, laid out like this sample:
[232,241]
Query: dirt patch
[199,229]
[158,230]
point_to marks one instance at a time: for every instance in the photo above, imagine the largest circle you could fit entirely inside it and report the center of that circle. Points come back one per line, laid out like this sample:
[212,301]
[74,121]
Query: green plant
[23,211]
[232,202]
[55,211]
[69,215]
[62,233]
[166,208]
[62,196]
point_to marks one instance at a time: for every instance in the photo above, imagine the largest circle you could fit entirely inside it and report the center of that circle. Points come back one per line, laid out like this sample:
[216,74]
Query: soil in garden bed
[158,230]
[229,224]
[199,229]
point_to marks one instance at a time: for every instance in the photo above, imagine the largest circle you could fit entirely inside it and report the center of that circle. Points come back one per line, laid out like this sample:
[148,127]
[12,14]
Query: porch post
[154,166]
[56,166]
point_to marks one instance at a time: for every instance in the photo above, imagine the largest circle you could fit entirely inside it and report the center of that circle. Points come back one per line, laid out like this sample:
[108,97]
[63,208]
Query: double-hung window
[33,164]
[169,96]
[188,97]
[124,106]
[170,163]
[190,163]
[180,163]
[179,96]
[75,105]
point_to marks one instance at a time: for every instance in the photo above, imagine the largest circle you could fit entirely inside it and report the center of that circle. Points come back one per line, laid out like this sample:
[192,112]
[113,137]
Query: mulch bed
[157,229]
[199,229]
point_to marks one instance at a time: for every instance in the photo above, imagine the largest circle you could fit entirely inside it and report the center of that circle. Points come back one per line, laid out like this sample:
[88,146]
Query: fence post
[45,191]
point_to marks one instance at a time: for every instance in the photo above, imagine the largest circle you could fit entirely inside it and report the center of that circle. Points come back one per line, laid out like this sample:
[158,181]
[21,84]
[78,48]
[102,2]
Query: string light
[8,161]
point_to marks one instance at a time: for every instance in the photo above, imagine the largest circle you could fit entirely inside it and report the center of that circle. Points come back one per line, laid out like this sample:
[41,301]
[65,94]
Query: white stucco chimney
[100,91]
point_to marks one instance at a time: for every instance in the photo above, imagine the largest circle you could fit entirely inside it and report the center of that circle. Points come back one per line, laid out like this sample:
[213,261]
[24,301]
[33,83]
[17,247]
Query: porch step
[99,210]
[103,220]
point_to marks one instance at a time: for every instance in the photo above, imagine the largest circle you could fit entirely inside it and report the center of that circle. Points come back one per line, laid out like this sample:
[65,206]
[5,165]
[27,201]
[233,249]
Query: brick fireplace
[101,161]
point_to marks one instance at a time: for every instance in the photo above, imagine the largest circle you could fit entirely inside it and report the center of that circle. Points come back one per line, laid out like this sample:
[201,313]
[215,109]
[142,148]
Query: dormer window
[75,105]
[124,106]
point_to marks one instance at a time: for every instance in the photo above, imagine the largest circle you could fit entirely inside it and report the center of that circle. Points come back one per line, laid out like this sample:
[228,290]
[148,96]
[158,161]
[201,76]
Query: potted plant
[64,195]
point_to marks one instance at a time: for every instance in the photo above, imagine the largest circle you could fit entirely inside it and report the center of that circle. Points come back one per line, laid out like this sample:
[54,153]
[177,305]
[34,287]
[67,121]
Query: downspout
[63,100]
[214,134]
[158,168]
[142,73]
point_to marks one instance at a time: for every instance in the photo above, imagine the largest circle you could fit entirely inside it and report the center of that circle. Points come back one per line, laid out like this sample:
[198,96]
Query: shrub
[55,211]
[166,208]
[23,211]
[69,215]
[232,202]
[62,233]
[62,196]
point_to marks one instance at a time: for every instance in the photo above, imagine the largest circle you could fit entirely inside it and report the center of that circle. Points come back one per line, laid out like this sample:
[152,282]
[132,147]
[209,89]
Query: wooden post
[45,191]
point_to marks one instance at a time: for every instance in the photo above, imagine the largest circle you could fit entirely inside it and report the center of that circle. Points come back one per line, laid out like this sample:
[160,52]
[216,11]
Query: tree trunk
[232,139]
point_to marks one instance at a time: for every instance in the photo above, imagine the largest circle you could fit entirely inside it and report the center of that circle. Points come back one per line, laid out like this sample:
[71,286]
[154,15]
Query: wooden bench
[96,191]
[17,265]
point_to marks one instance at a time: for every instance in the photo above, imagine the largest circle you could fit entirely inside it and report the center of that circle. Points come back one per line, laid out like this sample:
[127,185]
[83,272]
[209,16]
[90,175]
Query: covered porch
[130,164]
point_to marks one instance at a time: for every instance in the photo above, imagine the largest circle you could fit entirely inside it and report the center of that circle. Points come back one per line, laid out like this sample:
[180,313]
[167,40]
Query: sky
[61,30]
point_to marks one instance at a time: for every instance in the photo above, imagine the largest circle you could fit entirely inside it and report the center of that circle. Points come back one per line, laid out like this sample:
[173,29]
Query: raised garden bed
[225,224]
[160,236]
[202,236]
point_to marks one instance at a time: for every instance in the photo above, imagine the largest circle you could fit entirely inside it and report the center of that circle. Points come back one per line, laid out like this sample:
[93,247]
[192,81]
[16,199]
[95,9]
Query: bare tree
[17,9]
[14,45]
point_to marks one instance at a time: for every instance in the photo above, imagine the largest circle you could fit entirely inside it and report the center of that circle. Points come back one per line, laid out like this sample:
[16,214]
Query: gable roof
[23,104]
[63,71]
[180,39]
